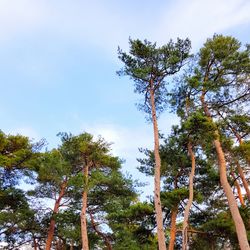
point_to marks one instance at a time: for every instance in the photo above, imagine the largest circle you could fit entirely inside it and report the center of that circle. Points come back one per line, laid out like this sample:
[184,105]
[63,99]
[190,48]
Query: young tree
[87,155]
[149,66]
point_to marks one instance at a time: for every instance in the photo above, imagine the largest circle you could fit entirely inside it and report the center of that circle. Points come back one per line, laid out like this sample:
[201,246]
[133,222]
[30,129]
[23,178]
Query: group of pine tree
[77,197]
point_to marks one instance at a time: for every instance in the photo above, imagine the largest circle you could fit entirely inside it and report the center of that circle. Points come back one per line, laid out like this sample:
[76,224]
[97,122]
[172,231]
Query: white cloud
[17,17]
[92,22]
[199,19]
[125,141]
[107,25]
[26,131]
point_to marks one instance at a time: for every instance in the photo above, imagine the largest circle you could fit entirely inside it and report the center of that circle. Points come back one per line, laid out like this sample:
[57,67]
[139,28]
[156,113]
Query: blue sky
[58,61]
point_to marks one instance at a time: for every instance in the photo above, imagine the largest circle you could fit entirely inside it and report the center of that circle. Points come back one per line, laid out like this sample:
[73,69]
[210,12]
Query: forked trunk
[239,224]
[85,242]
[190,199]
[174,213]
[237,185]
[157,177]
[52,220]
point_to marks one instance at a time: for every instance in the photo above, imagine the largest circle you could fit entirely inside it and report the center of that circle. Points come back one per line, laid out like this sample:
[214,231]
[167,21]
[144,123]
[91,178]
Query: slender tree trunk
[35,243]
[72,245]
[237,185]
[52,220]
[85,242]
[157,177]
[190,199]
[240,170]
[174,213]
[244,181]
[241,173]
[101,234]
[240,227]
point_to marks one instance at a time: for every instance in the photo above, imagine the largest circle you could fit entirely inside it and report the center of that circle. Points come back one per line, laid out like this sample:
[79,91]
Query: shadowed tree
[148,66]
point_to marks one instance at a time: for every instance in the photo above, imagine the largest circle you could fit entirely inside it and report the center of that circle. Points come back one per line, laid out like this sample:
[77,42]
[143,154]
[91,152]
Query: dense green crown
[149,65]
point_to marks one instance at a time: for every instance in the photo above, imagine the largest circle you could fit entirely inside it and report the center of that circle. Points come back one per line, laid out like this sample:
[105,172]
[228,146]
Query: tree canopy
[77,196]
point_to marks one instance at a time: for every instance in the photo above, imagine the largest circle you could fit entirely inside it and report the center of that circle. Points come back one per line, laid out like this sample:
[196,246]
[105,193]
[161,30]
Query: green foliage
[243,150]
[15,215]
[220,72]
[16,151]
[173,198]
[134,226]
[148,66]
[200,127]
[227,67]
[68,225]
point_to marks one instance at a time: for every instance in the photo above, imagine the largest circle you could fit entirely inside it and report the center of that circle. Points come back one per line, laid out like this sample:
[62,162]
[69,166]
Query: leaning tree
[221,85]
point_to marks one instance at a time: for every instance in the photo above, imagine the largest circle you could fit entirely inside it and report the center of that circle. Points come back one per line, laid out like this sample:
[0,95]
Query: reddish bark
[237,185]
[85,242]
[190,199]
[239,224]
[35,243]
[244,181]
[240,170]
[52,220]
[174,213]
[157,177]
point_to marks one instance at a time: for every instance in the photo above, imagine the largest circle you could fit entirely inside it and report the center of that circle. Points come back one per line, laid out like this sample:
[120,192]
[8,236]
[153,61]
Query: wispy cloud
[81,22]
[18,17]
[109,24]
[199,19]
[125,141]
[26,131]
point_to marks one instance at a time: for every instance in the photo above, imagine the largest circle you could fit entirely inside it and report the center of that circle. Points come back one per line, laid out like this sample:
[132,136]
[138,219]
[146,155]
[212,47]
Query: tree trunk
[174,213]
[72,245]
[241,173]
[52,220]
[101,234]
[240,227]
[157,177]
[244,181]
[35,243]
[85,242]
[237,185]
[190,199]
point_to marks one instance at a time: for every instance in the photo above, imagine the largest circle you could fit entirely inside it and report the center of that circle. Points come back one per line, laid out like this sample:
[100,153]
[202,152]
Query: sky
[58,63]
